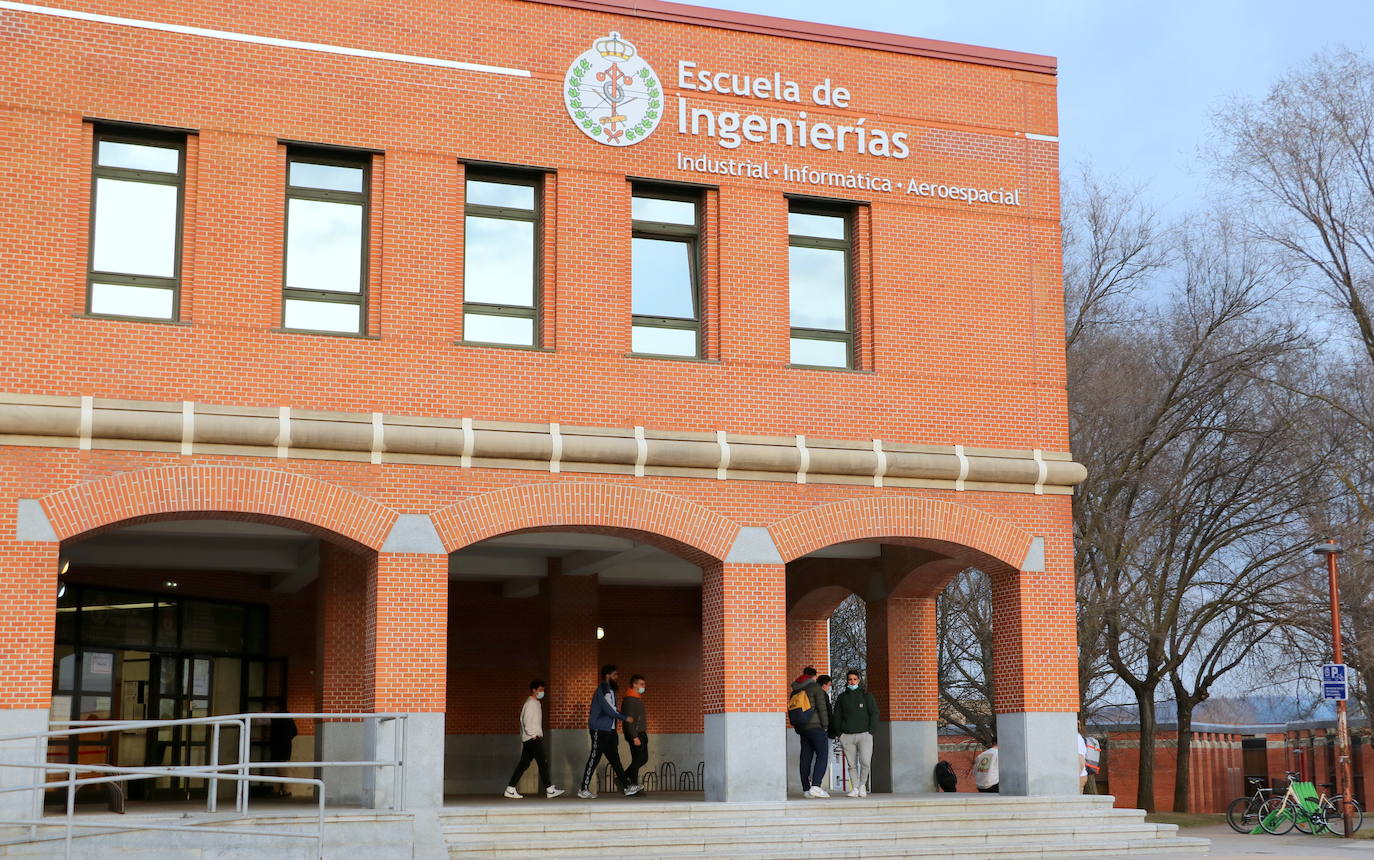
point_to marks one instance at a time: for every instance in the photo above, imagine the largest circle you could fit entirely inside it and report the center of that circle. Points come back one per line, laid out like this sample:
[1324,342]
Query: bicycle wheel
[1335,821]
[1309,822]
[1278,817]
[1243,814]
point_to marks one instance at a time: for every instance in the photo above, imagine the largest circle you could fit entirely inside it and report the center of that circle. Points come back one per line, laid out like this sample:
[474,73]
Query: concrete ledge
[1038,753]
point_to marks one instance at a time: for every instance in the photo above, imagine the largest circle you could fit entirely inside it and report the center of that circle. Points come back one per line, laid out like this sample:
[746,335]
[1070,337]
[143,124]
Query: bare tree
[849,636]
[1162,408]
[964,632]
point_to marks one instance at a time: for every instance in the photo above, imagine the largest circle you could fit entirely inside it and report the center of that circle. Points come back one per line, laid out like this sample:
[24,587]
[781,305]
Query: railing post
[40,776]
[71,807]
[397,737]
[213,802]
[245,751]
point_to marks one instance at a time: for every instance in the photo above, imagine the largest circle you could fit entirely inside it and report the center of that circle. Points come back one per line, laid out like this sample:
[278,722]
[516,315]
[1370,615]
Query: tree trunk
[1145,787]
[1184,759]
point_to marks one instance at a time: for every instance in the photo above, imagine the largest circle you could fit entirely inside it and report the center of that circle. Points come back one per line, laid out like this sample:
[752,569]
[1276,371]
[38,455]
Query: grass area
[1185,819]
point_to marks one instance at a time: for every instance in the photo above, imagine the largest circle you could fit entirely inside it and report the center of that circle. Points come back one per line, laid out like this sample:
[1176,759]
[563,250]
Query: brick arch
[691,531]
[819,603]
[239,492]
[980,538]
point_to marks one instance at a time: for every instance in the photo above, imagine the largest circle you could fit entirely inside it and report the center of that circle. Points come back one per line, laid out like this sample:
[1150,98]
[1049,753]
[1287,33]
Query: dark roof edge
[683,13]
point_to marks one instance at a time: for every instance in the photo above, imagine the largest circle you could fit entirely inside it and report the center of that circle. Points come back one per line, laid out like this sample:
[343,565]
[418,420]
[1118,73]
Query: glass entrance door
[183,691]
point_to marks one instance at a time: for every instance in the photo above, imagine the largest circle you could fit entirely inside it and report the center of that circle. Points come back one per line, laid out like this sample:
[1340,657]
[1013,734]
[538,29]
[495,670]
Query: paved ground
[1228,843]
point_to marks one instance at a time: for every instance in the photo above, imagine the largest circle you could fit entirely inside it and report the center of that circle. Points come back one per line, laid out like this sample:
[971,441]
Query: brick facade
[957,328]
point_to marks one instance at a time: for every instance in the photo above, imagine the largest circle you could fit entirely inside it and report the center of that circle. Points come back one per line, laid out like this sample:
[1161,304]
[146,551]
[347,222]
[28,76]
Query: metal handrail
[129,774]
[240,771]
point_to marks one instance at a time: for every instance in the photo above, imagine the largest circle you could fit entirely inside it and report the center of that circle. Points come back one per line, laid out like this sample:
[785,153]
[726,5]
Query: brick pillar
[28,602]
[405,659]
[574,664]
[1035,667]
[808,644]
[341,674]
[744,646]
[903,674]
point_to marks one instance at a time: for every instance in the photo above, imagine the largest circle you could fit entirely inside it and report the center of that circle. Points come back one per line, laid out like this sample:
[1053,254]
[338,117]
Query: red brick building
[379,358]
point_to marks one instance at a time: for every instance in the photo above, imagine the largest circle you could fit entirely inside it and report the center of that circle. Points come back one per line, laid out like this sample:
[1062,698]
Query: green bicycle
[1302,807]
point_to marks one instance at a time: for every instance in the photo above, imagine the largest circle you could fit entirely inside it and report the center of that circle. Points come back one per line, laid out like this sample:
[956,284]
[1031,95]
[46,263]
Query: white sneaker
[633,790]
[855,792]
[585,794]
[863,792]
[513,794]
[553,791]
[817,791]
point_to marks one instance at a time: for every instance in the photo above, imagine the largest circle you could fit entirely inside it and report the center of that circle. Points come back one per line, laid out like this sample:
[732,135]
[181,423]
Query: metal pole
[1345,782]
[214,763]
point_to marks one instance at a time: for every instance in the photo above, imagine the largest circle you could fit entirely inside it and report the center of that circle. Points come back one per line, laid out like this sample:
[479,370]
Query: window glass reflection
[816,226]
[324,245]
[126,301]
[327,177]
[662,278]
[492,328]
[504,194]
[135,228]
[649,340]
[822,353]
[322,316]
[138,156]
[498,261]
[664,211]
[817,287]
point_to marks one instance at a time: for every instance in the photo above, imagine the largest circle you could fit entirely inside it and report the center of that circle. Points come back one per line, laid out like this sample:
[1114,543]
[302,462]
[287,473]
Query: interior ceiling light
[171,583]
[601,633]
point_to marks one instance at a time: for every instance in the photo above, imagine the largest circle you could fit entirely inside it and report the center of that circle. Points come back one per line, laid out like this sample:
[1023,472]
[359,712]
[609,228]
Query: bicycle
[1243,813]
[1309,813]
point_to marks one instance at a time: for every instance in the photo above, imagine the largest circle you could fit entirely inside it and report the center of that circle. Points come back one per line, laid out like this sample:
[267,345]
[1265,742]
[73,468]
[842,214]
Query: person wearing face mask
[532,745]
[636,727]
[601,720]
[855,719]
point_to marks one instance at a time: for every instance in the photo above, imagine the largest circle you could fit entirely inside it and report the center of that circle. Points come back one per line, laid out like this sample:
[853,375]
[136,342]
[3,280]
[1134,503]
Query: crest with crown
[614,47]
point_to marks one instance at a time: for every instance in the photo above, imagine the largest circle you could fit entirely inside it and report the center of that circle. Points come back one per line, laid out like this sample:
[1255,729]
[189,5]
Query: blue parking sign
[1334,682]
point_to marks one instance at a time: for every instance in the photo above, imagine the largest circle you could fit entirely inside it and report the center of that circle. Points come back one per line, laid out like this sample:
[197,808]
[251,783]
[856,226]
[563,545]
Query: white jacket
[531,720]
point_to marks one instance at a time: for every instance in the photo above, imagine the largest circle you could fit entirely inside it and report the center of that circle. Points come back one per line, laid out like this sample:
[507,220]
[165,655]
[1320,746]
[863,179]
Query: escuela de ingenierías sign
[615,97]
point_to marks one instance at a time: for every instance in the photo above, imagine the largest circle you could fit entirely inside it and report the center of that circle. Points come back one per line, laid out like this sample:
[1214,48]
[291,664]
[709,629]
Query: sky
[1138,81]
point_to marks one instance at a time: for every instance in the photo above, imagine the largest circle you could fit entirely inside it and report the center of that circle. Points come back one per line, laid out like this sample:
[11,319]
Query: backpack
[799,711]
[945,778]
[1093,759]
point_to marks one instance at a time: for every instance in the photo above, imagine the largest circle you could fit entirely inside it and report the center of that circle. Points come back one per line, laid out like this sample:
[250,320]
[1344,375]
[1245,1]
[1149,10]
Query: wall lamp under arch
[601,633]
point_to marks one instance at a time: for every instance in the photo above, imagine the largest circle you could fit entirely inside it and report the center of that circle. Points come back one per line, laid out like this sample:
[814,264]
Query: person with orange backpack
[808,710]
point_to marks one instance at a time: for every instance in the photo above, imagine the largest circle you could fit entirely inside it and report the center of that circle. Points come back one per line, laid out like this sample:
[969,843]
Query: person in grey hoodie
[814,733]
[601,720]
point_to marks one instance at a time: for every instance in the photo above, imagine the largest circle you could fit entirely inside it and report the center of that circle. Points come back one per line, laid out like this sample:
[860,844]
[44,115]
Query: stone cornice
[199,428]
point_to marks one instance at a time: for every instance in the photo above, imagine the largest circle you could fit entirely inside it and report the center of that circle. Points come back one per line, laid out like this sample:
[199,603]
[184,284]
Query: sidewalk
[1228,843]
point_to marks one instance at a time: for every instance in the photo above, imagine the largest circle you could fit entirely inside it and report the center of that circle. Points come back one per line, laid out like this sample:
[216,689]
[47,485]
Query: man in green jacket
[854,717]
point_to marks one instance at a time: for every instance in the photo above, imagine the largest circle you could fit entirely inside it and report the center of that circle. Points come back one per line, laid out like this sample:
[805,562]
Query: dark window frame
[138,137]
[535,215]
[330,157]
[667,232]
[845,211]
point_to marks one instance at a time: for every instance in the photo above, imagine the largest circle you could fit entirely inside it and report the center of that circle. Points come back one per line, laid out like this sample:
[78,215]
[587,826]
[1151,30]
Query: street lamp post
[1345,783]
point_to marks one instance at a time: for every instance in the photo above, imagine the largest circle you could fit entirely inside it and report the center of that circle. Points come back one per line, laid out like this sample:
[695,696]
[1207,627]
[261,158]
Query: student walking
[532,745]
[985,772]
[636,727]
[601,721]
[855,720]
[809,711]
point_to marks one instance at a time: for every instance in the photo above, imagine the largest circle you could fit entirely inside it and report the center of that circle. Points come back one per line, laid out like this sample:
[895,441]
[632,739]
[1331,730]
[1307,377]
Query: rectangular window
[325,286]
[818,263]
[135,243]
[665,300]
[501,240]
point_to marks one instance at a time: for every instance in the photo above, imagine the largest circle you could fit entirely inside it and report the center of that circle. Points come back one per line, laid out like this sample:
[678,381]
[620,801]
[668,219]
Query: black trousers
[815,757]
[639,756]
[608,745]
[532,750]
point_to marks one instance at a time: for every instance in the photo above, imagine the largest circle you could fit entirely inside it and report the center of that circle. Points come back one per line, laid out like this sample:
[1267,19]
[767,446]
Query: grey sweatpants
[858,750]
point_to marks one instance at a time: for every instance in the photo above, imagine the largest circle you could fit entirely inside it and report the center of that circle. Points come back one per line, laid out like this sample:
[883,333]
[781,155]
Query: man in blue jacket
[601,720]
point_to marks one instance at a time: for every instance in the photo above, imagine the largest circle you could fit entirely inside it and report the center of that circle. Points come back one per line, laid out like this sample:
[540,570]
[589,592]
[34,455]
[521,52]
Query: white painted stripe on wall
[963,467]
[469,440]
[1042,474]
[1048,138]
[227,36]
[283,432]
[641,451]
[188,426]
[723,470]
[87,419]
[879,468]
[804,461]
[556,456]
[378,438]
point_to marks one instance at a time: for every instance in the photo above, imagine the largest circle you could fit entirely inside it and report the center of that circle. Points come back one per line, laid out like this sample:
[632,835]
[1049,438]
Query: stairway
[937,825]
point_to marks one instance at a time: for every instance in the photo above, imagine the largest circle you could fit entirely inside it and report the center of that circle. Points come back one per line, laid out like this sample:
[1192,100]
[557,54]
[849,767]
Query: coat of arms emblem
[612,94]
